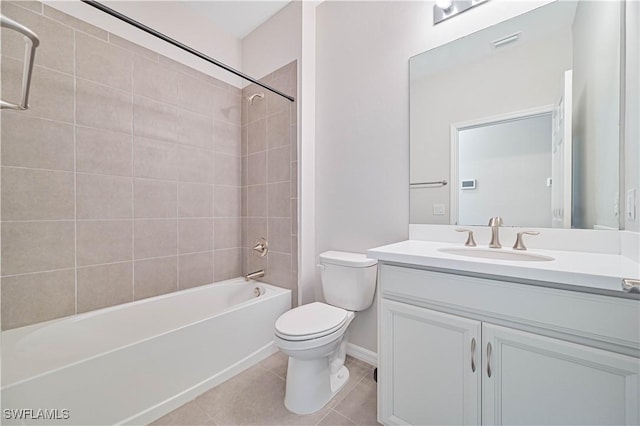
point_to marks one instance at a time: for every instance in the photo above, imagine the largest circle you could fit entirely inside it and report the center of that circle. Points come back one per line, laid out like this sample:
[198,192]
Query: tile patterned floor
[256,397]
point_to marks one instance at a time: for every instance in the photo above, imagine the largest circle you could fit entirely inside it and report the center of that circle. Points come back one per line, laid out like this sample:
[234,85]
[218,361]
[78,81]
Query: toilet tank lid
[343,258]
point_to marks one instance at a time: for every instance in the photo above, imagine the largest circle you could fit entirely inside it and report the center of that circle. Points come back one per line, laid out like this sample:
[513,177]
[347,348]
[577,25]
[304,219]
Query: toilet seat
[310,321]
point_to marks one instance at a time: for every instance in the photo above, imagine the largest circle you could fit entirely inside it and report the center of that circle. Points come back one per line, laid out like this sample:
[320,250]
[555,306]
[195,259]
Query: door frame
[455,129]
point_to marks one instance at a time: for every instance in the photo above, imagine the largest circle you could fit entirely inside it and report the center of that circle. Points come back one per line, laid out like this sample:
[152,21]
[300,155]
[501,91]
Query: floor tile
[256,397]
[357,371]
[257,402]
[360,404]
[277,364]
[335,419]
[223,395]
[190,414]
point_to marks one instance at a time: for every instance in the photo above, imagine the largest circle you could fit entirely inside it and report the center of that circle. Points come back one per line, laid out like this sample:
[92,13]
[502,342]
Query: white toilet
[314,337]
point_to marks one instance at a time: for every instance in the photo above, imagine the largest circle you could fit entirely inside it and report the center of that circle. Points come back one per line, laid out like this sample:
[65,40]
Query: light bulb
[444,4]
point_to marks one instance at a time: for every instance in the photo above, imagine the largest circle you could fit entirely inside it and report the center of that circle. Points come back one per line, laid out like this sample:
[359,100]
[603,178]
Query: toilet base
[338,380]
[310,384]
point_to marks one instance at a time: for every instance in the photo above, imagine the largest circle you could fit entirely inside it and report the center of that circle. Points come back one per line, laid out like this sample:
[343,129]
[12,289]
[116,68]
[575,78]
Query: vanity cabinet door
[426,373]
[531,379]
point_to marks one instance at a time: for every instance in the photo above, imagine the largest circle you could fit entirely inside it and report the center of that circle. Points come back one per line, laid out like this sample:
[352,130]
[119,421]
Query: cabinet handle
[473,355]
[489,359]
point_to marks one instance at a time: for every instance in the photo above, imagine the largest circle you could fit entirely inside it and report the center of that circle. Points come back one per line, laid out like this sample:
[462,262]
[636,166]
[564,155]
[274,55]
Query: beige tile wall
[269,177]
[123,179]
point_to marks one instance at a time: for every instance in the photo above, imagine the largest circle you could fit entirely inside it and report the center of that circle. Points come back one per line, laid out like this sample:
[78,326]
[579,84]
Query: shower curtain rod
[184,47]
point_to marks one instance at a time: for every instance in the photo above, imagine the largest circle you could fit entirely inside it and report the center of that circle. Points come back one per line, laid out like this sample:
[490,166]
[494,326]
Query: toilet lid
[310,321]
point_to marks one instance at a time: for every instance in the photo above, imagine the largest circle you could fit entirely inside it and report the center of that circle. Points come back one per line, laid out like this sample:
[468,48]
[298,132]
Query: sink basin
[496,254]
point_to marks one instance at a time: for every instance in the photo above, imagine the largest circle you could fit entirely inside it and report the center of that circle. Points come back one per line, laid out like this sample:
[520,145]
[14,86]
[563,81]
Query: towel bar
[32,41]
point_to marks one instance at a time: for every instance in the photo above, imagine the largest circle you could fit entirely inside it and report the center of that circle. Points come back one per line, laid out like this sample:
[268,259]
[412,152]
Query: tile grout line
[272,373]
[213,221]
[266,178]
[332,410]
[71,123]
[246,254]
[44,67]
[116,219]
[203,410]
[325,416]
[177,136]
[17,4]
[133,199]
[244,201]
[117,262]
[75,176]
[117,89]
[153,179]
[346,395]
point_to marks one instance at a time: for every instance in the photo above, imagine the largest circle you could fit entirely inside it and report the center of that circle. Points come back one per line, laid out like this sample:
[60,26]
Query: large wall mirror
[521,120]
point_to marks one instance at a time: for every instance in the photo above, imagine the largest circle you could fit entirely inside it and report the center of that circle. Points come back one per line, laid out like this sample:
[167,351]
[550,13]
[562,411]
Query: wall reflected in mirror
[523,120]
[491,175]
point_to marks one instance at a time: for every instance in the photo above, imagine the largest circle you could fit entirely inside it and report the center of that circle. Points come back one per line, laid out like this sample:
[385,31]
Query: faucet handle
[470,241]
[262,247]
[519,244]
[495,221]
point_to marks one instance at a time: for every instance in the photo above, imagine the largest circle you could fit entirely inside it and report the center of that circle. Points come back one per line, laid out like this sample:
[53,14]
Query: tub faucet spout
[254,275]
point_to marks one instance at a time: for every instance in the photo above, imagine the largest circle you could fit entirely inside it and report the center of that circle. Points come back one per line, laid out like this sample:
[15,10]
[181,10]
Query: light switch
[631,204]
[438,209]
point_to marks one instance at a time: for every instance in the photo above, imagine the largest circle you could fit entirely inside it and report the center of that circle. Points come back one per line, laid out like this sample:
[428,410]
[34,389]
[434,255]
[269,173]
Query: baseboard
[358,352]
[604,228]
[165,407]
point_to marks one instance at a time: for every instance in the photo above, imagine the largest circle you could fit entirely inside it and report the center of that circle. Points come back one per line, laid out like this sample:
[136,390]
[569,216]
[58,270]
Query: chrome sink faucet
[519,244]
[495,222]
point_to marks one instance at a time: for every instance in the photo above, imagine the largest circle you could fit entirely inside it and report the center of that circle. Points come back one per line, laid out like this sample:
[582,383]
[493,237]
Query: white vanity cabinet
[425,375]
[539,380]
[457,349]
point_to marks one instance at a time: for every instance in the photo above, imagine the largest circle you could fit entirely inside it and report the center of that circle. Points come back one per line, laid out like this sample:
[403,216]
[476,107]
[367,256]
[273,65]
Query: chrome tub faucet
[254,275]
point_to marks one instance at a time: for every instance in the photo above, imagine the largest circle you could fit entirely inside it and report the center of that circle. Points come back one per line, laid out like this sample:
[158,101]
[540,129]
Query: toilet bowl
[314,336]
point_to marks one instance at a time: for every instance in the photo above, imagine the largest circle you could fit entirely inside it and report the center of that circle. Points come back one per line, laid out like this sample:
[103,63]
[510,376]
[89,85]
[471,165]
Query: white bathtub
[132,363]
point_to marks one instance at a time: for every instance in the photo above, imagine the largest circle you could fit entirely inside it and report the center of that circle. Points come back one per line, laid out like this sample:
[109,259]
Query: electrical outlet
[631,205]
[438,209]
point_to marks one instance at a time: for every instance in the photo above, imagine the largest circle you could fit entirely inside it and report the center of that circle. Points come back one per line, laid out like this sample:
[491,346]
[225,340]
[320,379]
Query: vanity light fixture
[445,9]
[444,4]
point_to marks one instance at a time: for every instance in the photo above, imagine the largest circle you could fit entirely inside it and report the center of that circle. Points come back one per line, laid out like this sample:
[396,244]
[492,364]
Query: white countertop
[589,272]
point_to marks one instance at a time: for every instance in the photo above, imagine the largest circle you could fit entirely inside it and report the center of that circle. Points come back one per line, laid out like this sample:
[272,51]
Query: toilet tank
[348,279]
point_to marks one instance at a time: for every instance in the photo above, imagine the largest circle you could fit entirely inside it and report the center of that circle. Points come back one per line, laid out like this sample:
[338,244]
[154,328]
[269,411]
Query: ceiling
[533,25]
[237,17]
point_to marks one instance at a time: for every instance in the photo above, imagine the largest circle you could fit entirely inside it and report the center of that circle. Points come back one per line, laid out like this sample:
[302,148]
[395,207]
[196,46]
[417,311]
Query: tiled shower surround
[124,179]
[269,179]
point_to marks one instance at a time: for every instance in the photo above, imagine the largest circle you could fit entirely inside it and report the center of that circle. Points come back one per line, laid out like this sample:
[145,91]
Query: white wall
[307,158]
[173,20]
[596,114]
[632,110]
[494,155]
[275,43]
[362,119]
